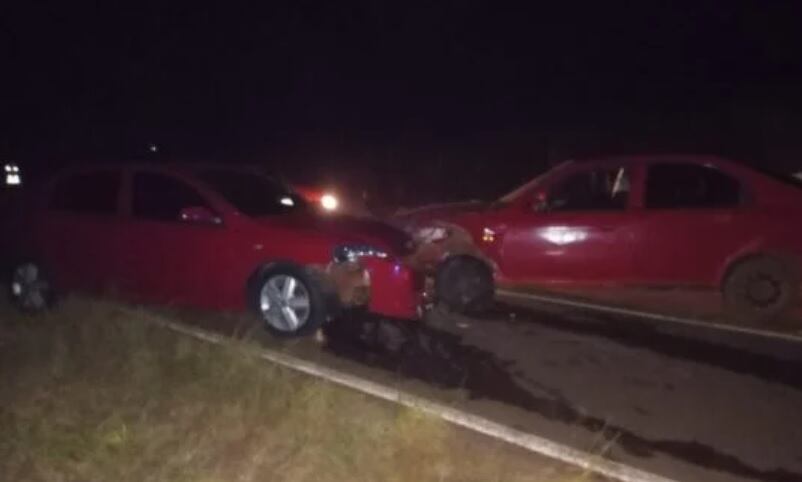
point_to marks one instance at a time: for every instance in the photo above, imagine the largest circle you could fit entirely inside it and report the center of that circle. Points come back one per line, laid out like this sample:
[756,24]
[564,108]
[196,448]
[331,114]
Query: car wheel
[758,290]
[31,289]
[291,301]
[464,284]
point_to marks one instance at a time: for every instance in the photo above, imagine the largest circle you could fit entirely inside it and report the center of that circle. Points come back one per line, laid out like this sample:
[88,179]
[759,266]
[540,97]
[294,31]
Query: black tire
[758,290]
[464,284]
[321,304]
[30,287]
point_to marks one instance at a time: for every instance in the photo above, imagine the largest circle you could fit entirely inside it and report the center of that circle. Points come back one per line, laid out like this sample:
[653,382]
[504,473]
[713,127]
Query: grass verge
[89,394]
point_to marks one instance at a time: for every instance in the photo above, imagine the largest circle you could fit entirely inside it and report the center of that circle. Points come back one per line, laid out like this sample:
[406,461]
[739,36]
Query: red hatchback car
[207,236]
[652,220]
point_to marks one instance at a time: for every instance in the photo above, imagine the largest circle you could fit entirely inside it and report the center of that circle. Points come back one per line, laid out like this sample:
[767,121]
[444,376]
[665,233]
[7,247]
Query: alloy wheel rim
[285,303]
[763,290]
[29,287]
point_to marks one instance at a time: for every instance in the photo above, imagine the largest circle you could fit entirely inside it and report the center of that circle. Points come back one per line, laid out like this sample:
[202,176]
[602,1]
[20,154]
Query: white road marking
[533,443]
[555,300]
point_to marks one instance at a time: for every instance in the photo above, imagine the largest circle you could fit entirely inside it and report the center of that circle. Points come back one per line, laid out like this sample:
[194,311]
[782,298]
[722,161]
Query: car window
[253,194]
[689,186]
[160,197]
[602,189]
[89,193]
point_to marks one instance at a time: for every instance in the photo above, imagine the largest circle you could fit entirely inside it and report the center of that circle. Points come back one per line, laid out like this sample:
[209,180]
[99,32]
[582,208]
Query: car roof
[651,158]
[174,167]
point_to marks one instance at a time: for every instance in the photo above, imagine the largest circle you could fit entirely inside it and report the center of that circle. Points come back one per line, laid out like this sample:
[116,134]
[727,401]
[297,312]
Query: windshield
[252,193]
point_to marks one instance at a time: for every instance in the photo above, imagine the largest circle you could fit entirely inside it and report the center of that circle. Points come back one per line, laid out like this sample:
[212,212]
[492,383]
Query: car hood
[350,229]
[437,212]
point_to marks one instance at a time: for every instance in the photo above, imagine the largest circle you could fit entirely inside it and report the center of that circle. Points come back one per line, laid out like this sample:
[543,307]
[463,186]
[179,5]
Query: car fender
[761,246]
[431,250]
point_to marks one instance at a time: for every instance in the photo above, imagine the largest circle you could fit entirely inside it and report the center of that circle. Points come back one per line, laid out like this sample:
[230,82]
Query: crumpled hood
[445,212]
[350,229]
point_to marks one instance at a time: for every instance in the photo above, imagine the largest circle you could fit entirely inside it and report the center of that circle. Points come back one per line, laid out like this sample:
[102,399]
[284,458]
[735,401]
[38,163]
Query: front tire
[760,289]
[290,301]
[464,284]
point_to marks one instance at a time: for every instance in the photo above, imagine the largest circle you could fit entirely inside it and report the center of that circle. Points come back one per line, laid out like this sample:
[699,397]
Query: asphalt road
[684,402]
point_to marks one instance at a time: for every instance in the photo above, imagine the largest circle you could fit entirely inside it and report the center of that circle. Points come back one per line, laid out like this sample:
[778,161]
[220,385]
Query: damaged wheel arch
[462,276]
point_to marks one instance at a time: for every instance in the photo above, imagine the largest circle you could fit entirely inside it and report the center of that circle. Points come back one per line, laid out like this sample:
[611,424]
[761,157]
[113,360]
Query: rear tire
[289,299]
[759,290]
[464,284]
[30,287]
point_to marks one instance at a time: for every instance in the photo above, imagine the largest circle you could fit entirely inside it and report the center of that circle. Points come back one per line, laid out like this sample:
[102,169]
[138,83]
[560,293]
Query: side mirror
[540,203]
[200,215]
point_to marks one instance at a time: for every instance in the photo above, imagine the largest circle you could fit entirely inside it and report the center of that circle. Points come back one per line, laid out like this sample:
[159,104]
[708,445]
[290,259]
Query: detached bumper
[396,290]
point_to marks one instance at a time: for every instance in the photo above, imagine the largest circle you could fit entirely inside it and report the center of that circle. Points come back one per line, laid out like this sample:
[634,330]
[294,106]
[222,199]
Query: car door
[577,228]
[695,216]
[172,243]
[75,232]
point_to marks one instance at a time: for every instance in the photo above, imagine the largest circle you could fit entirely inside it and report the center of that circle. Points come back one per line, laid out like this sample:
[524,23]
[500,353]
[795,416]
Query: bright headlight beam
[329,202]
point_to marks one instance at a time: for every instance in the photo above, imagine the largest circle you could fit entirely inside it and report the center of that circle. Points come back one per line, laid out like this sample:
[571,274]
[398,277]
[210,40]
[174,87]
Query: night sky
[403,96]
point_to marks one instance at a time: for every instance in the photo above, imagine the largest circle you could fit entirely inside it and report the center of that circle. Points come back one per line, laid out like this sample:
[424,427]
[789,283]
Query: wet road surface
[679,402]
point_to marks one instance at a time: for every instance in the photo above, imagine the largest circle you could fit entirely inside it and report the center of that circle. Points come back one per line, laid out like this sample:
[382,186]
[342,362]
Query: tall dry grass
[88,393]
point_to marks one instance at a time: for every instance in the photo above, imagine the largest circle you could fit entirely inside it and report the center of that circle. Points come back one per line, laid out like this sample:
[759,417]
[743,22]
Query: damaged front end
[370,278]
[456,271]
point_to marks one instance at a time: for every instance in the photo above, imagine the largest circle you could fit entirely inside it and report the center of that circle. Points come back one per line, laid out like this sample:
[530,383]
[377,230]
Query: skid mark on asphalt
[648,337]
[440,358]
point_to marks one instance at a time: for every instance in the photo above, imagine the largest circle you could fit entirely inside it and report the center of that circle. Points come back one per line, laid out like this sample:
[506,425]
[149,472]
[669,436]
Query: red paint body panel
[203,265]
[632,245]
[406,297]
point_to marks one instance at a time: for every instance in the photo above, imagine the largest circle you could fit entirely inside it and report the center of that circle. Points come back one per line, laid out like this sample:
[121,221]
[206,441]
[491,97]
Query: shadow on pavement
[440,358]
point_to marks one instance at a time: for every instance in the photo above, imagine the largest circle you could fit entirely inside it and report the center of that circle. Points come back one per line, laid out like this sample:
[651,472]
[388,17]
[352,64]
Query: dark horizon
[374,91]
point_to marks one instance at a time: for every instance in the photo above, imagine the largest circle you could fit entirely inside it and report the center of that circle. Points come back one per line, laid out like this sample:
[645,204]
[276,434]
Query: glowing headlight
[352,252]
[329,202]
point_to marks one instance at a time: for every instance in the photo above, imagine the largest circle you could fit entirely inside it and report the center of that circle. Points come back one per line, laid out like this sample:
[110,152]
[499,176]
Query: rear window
[690,186]
[90,193]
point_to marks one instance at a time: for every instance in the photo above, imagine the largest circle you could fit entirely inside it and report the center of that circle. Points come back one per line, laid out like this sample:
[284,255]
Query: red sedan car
[656,220]
[206,236]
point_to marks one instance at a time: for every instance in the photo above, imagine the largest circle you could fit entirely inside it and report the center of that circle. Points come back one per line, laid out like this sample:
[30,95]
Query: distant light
[287,201]
[153,148]
[329,202]
[13,177]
